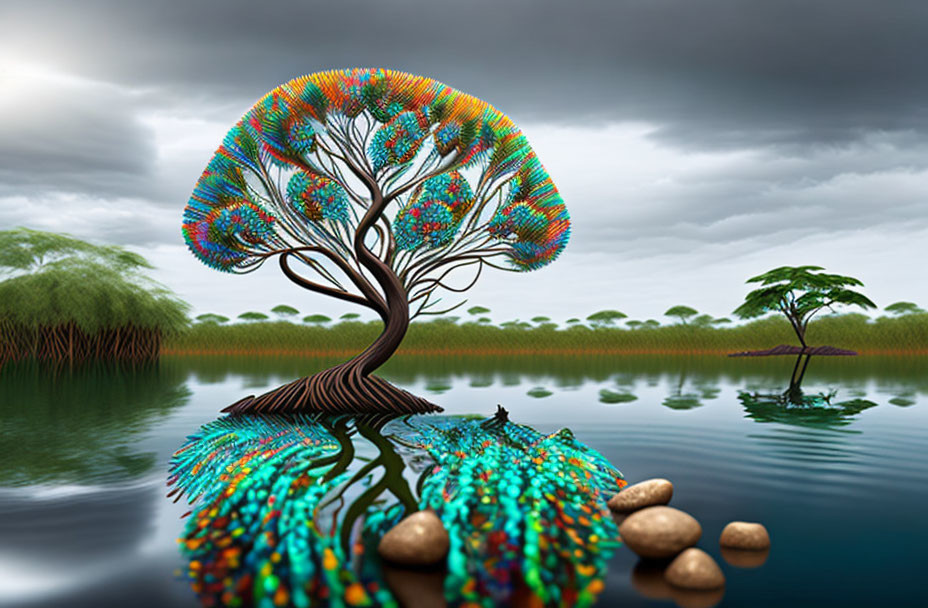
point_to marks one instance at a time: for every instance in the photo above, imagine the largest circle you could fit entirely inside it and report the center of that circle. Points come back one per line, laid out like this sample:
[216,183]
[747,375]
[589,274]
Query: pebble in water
[694,569]
[656,532]
[418,540]
[643,494]
[745,535]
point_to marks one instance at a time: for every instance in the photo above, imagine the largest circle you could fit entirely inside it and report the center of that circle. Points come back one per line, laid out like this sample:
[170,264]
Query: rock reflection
[742,558]
[416,588]
[290,511]
[647,578]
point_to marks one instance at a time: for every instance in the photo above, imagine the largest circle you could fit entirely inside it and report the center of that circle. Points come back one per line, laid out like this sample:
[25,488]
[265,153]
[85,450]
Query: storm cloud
[683,135]
[724,71]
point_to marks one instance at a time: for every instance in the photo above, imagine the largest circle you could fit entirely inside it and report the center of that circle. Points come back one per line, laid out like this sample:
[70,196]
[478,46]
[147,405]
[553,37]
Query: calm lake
[84,520]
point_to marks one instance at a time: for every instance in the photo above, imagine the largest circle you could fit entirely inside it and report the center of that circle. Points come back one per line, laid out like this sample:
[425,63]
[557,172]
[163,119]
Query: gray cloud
[718,72]
[635,198]
[693,141]
[72,135]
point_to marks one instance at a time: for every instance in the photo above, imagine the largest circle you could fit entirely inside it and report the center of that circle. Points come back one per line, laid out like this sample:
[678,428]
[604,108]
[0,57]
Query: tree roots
[339,390]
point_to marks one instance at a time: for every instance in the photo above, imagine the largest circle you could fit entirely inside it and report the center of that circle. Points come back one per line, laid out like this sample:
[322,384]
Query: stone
[657,532]
[643,494]
[694,569]
[418,540]
[745,535]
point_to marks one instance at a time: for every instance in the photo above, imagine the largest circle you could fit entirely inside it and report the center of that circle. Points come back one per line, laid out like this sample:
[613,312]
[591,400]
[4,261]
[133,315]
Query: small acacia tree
[283,311]
[702,321]
[605,318]
[310,174]
[798,293]
[681,312]
[211,317]
[316,319]
[903,308]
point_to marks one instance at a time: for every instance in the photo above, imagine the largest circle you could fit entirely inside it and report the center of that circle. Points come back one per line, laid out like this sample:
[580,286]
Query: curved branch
[478,255]
[329,291]
[422,310]
[437,282]
[391,242]
[356,277]
[386,244]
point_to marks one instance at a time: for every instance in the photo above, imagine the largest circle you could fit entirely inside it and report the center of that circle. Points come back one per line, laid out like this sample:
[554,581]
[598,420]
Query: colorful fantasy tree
[310,175]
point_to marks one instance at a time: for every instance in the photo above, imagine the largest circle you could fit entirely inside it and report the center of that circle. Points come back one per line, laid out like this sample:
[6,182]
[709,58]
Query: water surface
[84,519]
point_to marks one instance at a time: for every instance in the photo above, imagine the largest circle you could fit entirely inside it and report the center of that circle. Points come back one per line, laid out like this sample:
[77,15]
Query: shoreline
[489,352]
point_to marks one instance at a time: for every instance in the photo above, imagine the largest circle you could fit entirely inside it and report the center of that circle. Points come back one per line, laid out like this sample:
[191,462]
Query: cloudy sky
[695,144]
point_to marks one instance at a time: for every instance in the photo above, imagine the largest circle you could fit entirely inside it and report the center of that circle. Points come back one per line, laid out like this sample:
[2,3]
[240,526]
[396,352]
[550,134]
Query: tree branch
[329,291]
[369,293]
[437,282]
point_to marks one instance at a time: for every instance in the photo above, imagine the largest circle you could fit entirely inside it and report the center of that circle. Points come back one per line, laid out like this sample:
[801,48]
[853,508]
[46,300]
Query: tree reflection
[290,509]
[81,424]
[678,400]
[796,408]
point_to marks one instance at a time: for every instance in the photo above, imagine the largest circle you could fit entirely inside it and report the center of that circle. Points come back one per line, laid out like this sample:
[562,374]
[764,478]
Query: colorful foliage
[398,141]
[230,234]
[534,219]
[285,129]
[434,212]
[316,197]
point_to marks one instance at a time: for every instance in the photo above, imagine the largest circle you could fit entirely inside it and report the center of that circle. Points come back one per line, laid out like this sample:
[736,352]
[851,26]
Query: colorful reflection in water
[290,510]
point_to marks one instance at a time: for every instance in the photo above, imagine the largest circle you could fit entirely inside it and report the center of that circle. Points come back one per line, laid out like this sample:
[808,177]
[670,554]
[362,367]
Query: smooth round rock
[694,569]
[656,532]
[418,540]
[644,494]
[745,535]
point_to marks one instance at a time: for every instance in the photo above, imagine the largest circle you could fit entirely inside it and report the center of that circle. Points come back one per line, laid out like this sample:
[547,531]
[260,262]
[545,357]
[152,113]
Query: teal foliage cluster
[272,524]
[316,197]
[434,213]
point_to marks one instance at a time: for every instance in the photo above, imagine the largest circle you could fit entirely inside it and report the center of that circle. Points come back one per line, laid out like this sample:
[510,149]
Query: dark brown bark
[350,387]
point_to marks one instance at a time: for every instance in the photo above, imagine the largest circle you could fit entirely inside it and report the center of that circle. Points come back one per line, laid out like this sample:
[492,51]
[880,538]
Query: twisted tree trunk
[350,387]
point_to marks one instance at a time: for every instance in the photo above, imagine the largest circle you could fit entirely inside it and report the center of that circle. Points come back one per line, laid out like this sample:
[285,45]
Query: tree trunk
[350,387]
[346,388]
